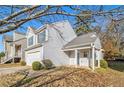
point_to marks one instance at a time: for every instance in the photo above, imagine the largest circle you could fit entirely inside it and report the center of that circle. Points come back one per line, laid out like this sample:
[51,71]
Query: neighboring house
[14,47]
[59,43]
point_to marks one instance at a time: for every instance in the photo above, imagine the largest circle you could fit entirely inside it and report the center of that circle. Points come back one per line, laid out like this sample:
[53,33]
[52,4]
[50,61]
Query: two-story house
[14,47]
[59,43]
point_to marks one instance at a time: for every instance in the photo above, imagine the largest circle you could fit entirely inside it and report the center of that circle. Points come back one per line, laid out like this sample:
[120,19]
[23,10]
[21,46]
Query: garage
[33,55]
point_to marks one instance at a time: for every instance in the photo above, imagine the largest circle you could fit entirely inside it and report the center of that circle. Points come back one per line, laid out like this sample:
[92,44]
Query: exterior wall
[17,36]
[53,47]
[99,54]
[20,39]
[23,44]
[8,50]
[65,29]
[97,44]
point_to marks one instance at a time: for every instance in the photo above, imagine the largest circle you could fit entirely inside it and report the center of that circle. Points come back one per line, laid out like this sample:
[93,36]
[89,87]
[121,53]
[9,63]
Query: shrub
[103,64]
[36,65]
[23,63]
[48,63]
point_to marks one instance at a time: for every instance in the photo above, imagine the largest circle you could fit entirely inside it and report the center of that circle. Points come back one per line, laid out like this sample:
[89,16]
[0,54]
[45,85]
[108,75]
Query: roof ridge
[44,25]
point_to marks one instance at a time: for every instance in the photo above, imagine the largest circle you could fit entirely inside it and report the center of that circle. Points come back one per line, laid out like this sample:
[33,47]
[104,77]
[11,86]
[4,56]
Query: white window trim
[46,33]
[46,36]
[33,41]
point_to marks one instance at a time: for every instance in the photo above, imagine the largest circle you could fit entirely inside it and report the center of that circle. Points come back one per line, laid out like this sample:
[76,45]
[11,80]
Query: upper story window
[30,41]
[41,37]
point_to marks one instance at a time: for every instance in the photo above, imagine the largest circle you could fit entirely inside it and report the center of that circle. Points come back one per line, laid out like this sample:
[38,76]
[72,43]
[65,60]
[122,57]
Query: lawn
[9,65]
[66,77]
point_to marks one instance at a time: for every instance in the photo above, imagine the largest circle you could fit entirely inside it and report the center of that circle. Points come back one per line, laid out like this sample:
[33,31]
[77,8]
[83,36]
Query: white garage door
[33,56]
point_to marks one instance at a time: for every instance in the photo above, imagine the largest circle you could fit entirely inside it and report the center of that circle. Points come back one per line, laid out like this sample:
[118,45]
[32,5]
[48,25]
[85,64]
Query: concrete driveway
[10,70]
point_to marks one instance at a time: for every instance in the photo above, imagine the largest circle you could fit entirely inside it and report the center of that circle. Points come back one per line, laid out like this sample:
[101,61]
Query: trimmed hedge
[48,63]
[36,65]
[22,63]
[103,64]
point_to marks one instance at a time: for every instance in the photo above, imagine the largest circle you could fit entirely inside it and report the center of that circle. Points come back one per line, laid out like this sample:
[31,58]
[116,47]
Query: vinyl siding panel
[53,47]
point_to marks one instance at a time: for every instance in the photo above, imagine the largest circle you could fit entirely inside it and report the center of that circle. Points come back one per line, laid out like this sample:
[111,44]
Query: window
[85,54]
[30,41]
[41,37]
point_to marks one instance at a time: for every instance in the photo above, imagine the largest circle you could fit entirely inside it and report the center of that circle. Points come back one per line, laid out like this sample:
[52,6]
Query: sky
[37,24]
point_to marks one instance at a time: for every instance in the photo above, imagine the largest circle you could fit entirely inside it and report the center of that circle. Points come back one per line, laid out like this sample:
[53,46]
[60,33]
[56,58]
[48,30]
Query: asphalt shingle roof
[82,40]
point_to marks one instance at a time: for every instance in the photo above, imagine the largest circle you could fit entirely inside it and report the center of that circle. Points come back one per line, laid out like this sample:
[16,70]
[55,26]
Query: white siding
[97,43]
[53,48]
[17,36]
[98,46]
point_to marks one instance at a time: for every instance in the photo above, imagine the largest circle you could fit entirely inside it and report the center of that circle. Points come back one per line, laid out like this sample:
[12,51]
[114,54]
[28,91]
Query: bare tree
[15,16]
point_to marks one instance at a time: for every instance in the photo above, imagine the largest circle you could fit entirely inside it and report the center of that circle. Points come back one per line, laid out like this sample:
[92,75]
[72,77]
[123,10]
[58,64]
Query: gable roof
[31,29]
[82,40]
[43,27]
[36,31]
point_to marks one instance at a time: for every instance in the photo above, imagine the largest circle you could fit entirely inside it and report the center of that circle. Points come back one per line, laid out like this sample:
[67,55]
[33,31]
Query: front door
[84,58]
[18,51]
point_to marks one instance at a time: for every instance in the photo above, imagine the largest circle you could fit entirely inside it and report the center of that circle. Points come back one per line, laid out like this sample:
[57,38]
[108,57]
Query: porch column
[93,57]
[76,56]
[99,58]
[13,52]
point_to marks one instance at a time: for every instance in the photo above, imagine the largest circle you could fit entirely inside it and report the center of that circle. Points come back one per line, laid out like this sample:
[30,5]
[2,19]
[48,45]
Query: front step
[10,60]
